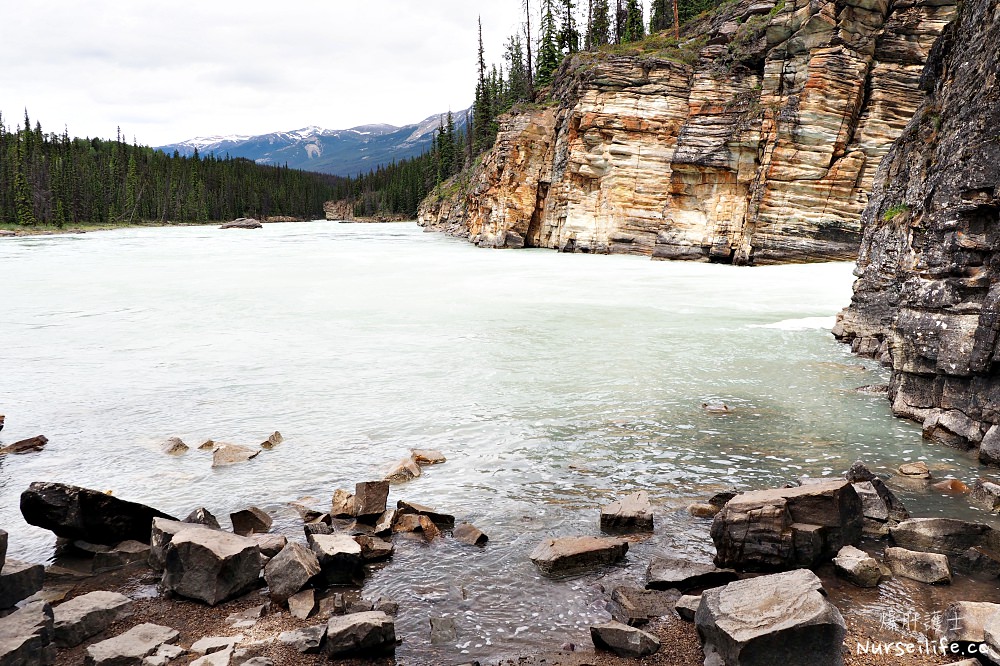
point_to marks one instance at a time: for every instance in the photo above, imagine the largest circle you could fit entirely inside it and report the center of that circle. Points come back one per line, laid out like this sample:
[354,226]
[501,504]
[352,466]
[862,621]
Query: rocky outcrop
[754,142]
[926,299]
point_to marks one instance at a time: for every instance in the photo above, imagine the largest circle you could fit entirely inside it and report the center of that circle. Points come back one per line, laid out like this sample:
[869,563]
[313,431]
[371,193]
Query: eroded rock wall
[927,301]
[753,143]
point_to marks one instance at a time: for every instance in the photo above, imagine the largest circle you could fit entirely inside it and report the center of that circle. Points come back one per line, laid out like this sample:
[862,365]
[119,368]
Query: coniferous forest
[55,180]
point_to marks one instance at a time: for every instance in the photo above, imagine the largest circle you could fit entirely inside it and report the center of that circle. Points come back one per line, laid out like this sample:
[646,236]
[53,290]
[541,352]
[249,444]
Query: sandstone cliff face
[753,143]
[927,297]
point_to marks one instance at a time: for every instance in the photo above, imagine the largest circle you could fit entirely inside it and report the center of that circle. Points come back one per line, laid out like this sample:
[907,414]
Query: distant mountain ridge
[346,152]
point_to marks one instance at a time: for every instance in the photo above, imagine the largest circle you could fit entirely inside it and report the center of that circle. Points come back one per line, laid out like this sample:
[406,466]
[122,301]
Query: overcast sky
[170,71]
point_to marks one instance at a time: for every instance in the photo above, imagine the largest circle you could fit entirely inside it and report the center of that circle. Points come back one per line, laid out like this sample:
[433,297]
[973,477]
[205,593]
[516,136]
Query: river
[553,382]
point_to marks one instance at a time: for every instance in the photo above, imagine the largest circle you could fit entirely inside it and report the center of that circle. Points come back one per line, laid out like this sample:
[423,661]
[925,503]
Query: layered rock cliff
[753,142]
[927,301]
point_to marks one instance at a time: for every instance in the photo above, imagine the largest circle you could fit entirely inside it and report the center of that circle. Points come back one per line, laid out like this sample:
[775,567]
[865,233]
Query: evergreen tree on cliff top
[635,27]
[548,47]
[483,109]
[599,31]
[569,36]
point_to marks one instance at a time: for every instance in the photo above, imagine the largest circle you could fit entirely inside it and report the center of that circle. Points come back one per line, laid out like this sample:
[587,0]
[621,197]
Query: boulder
[163,532]
[635,606]
[785,528]
[243,223]
[403,471]
[428,528]
[303,604]
[370,498]
[220,658]
[362,634]
[174,446]
[880,507]
[18,581]
[339,558]
[989,449]
[986,494]
[202,516]
[782,618]
[231,454]
[343,504]
[916,470]
[383,526]
[213,644]
[948,536]
[316,528]
[858,567]
[687,606]
[250,521]
[272,441]
[130,647]
[308,640]
[859,473]
[555,557]
[425,457]
[665,573]
[31,445]
[929,568]
[26,636]
[443,520]
[407,522]
[631,513]
[623,640]
[469,534]
[79,513]
[964,622]
[290,570]
[270,544]
[991,639]
[703,510]
[80,618]
[122,555]
[374,549]
[977,561]
[211,566]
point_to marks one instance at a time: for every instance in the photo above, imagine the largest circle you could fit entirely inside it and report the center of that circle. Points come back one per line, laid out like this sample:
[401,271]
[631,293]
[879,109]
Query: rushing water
[553,382]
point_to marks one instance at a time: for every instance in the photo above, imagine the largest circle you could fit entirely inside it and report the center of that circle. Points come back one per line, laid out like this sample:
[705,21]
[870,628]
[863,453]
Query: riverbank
[51,230]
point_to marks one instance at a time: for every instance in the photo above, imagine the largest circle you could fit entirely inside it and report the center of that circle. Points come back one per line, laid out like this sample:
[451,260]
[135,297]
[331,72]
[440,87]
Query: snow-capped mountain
[346,152]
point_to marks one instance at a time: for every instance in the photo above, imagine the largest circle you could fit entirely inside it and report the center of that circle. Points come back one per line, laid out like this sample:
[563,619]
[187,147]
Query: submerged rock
[858,567]
[570,554]
[174,446]
[122,555]
[31,445]
[929,568]
[224,455]
[917,470]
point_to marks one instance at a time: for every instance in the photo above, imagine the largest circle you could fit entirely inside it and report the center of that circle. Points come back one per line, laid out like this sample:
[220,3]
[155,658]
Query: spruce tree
[635,27]
[620,18]
[548,47]
[569,36]
[660,17]
[600,25]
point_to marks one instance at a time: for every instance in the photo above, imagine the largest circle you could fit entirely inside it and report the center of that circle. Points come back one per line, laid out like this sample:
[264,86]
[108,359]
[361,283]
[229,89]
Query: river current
[553,382]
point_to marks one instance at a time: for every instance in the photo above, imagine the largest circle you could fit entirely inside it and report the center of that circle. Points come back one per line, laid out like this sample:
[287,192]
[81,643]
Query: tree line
[52,179]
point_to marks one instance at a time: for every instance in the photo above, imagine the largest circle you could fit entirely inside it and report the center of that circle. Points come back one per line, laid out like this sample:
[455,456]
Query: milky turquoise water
[553,383]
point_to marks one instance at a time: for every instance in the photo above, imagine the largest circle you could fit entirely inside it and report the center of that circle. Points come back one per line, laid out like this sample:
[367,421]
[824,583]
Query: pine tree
[569,36]
[599,33]
[660,17]
[548,47]
[518,80]
[620,18]
[635,28]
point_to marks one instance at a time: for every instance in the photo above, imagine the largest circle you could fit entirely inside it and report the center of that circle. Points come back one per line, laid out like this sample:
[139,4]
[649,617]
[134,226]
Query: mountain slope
[341,152]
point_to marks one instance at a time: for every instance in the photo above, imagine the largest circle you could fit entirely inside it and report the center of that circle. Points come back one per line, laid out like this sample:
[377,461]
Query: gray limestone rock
[665,573]
[26,636]
[635,606]
[18,581]
[130,647]
[631,513]
[307,641]
[80,618]
[362,634]
[623,640]
[858,567]
[930,568]
[211,566]
[567,555]
[290,571]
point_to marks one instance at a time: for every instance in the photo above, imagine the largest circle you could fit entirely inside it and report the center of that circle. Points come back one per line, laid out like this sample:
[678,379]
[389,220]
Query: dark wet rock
[469,534]
[211,566]
[370,498]
[303,605]
[720,500]
[250,521]
[308,514]
[858,567]
[362,634]
[203,516]
[311,529]
[18,581]
[859,472]
[224,455]
[443,520]
[986,494]
[665,573]
[79,513]
[931,568]
[27,636]
[122,555]
[623,640]
[272,441]
[130,647]
[917,470]
[405,470]
[631,513]
[3,548]
[163,532]
[948,536]
[964,622]
[785,528]
[570,554]
[754,621]
[174,446]
[425,457]
[270,544]
[308,640]
[635,606]
[339,558]
[428,528]
[687,606]
[243,223]
[977,561]
[374,549]
[31,445]
[443,630]
[290,570]
[88,615]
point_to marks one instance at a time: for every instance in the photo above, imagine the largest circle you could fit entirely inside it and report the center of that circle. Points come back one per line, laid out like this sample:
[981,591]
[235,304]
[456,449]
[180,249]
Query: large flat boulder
[88,615]
[131,647]
[623,640]
[211,566]
[674,573]
[964,622]
[555,557]
[947,536]
[931,568]
[18,581]
[632,513]
[782,618]
[26,636]
[371,633]
[163,532]
[290,570]
[75,513]
[635,606]
[786,528]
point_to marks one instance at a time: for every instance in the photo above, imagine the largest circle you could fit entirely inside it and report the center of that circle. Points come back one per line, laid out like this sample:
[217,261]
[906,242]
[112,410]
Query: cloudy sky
[165,72]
